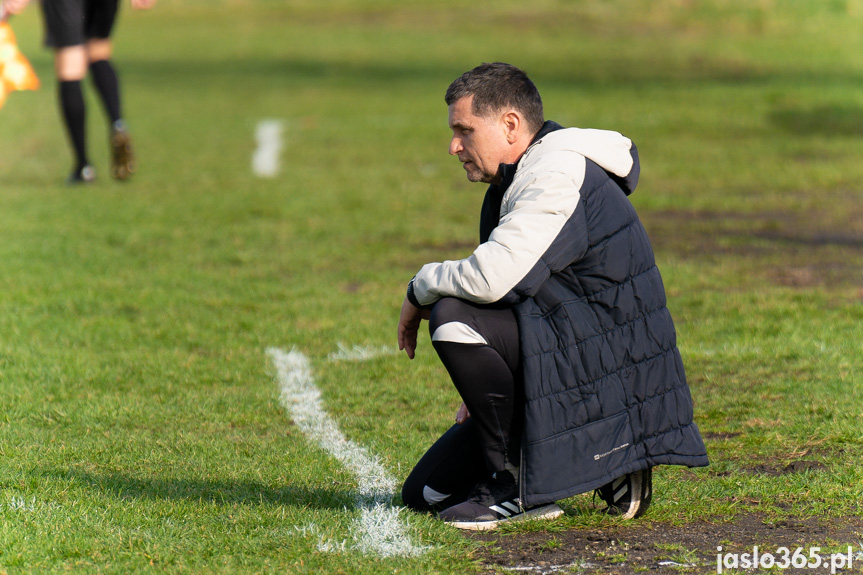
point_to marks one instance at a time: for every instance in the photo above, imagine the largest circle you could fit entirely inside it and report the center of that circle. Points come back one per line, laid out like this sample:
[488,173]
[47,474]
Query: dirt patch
[793,467]
[719,435]
[815,248]
[641,546]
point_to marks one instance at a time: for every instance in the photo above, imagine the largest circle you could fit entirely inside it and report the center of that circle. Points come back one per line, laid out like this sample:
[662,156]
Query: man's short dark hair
[495,87]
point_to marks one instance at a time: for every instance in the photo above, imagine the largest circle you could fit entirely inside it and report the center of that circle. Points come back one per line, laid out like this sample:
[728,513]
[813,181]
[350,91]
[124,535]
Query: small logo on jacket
[599,456]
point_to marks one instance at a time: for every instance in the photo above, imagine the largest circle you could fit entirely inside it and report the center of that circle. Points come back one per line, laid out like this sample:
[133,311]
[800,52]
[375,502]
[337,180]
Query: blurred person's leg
[104,76]
[70,67]
[64,32]
[101,15]
[105,79]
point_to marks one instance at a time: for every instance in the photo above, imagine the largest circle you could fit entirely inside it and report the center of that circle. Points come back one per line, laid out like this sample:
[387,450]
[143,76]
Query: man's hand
[462,414]
[409,325]
[142,4]
[15,6]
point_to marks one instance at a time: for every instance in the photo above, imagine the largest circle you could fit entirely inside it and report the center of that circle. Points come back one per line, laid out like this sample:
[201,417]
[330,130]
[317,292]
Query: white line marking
[360,352]
[266,159]
[379,530]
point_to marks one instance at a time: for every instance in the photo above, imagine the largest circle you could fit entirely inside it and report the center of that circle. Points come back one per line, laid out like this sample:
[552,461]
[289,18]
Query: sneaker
[628,496]
[122,157]
[84,175]
[494,502]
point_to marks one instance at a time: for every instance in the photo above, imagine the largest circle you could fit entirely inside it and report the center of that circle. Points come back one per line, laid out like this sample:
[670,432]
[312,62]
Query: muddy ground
[814,247]
[642,546]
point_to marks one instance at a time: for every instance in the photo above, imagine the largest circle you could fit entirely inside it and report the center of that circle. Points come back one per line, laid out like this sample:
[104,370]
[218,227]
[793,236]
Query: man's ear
[513,124]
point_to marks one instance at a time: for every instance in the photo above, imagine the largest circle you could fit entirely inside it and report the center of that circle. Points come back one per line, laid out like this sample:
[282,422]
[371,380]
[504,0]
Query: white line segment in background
[266,159]
[360,352]
[380,531]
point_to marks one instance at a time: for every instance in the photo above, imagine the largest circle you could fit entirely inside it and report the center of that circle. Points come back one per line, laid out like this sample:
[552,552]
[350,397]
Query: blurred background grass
[139,415]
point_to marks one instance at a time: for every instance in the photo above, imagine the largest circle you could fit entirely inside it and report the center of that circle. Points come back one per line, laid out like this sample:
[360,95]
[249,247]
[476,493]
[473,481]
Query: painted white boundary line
[267,156]
[360,352]
[379,531]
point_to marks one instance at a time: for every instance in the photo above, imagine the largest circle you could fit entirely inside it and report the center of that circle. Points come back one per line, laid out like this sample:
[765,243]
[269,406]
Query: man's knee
[412,495]
[99,49]
[70,63]
[419,496]
[450,320]
[446,310]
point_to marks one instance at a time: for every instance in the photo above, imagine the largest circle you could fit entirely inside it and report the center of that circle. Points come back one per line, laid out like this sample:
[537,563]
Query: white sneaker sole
[551,511]
[640,497]
[634,500]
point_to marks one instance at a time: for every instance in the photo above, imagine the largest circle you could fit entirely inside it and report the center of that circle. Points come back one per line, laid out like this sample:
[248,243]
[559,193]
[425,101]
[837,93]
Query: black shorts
[73,22]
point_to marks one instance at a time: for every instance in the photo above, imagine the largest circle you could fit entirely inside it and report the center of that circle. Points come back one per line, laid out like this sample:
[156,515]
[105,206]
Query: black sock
[105,79]
[74,115]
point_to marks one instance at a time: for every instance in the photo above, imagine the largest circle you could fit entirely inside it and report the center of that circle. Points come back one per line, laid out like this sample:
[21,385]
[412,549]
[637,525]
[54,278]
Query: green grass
[140,427]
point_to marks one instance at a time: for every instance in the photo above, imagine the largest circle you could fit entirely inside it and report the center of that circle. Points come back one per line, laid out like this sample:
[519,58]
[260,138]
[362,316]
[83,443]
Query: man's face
[480,143]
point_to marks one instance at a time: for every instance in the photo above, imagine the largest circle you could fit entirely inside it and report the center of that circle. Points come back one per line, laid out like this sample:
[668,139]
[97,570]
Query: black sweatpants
[479,346]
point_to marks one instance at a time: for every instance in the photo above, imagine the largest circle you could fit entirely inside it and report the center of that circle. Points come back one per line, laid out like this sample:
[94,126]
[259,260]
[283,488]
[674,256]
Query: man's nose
[455,146]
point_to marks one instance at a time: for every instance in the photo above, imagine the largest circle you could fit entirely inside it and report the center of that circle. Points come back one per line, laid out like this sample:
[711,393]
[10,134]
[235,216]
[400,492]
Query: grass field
[141,427]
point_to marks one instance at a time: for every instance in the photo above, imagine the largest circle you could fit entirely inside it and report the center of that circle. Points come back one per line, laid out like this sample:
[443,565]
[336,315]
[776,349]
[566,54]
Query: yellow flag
[16,73]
